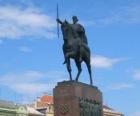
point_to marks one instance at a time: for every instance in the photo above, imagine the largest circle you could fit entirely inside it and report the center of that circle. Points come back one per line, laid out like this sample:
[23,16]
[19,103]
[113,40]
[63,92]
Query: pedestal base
[77,99]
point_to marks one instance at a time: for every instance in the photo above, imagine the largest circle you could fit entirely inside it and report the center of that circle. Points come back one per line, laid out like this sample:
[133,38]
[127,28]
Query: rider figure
[78,32]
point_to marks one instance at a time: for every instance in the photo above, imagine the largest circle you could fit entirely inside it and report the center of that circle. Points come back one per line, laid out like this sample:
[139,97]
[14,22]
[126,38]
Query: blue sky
[31,54]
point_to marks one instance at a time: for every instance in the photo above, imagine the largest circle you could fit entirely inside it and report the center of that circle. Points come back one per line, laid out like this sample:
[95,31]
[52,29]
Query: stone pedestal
[77,99]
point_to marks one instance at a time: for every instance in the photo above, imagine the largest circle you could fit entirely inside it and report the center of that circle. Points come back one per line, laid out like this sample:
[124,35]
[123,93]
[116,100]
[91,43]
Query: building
[33,112]
[45,105]
[8,108]
[107,111]
[21,111]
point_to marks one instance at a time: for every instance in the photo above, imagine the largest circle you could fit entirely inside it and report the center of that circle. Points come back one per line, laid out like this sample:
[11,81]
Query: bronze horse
[74,48]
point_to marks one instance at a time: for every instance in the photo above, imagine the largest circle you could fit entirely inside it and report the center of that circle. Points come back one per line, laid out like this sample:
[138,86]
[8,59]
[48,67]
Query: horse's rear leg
[89,70]
[78,64]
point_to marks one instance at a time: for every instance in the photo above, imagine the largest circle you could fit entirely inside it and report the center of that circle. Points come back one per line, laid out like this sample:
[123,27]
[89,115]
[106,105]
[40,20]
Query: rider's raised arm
[59,21]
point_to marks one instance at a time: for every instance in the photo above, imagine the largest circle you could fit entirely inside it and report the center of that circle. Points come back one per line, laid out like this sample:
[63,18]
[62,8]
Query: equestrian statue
[75,46]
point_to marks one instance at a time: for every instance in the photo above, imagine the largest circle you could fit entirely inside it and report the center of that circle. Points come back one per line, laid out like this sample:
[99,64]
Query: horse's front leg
[78,64]
[68,66]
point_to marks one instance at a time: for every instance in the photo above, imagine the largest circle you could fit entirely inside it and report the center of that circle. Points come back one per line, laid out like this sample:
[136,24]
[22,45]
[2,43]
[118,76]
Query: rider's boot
[64,62]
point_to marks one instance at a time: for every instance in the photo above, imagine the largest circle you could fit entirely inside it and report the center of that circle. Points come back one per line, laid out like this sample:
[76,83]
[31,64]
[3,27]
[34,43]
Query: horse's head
[66,29]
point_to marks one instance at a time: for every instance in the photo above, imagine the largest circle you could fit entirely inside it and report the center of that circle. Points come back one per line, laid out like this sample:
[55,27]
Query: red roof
[47,99]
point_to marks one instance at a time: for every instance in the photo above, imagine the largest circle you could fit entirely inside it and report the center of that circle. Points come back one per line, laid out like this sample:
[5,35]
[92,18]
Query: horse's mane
[70,28]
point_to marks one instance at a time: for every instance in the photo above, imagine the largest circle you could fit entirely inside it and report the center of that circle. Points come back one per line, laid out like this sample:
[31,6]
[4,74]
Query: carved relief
[89,107]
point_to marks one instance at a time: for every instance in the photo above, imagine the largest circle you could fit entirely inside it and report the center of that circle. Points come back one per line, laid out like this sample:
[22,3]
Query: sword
[57,22]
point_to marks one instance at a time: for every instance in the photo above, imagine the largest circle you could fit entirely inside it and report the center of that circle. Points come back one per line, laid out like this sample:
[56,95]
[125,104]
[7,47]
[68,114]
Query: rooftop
[47,99]
[7,104]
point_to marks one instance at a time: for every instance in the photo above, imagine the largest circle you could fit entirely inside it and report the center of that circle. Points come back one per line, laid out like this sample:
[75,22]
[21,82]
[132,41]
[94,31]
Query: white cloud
[136,75]
[30,84]
[25,49]
[17,23]
[135,114]
[126,15]
[119,86]
[98,61]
